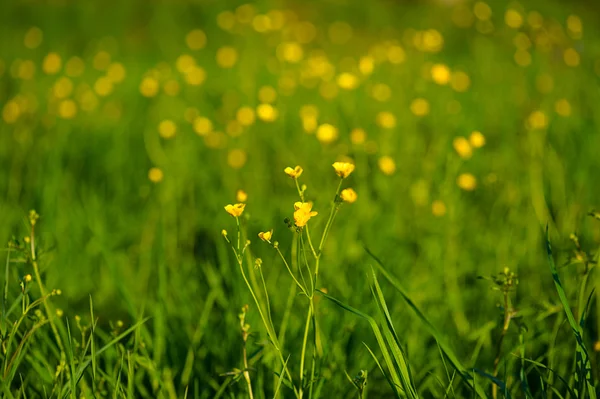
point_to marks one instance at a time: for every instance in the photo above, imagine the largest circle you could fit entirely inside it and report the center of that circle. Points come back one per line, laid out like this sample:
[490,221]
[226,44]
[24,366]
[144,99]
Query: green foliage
[129,126]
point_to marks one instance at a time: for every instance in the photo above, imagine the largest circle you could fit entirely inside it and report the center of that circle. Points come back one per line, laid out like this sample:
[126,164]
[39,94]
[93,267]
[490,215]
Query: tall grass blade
[392,339]
[450,355]
[396,383]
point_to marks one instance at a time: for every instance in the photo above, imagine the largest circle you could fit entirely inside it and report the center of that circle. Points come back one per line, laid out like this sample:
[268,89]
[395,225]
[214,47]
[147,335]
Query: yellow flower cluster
[303,212]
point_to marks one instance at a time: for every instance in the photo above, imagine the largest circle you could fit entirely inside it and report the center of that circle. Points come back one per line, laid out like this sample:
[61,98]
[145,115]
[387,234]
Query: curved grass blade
[392,339]
[458,366]
[497,381]
[395,380]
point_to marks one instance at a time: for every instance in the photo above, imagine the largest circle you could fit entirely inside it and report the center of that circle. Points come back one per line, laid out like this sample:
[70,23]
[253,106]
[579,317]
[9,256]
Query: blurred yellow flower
[155,175]
[149,87]
[513,18]
[245,116]
[294,173]
[167,129]
[467,181]
[67,109]
[52,64]
[462,147]
[266,235]
[387,165]
[366,65]
[241,196]
[386,120]
[419,107]
[27,278]
[438,208]
[460,81]
[235,210]
[347,81]
[327,133]
[236,158]
[348,195]
[343,169]
[302,213]
[267,94]
[440,74]
[538,120]
[33,38]
[202,125]
[227,57]
[266,112]
[562,107]
[358,136]
[195,39]
[571,57]
[477,139]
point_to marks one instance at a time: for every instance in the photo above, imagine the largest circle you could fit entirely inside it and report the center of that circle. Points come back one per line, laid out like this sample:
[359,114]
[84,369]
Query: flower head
[348,195]
[235,210]
[294,173]
[241,196]
[343,169]
[303,212]
[266,235]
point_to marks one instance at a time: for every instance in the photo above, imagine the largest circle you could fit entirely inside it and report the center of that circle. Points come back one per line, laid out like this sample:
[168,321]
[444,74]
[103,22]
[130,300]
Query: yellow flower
[294,173]
[303,212]
[241,196]
[348,195]
[266,235]
[467,182]
[27,278]
[235,210]
[343,169]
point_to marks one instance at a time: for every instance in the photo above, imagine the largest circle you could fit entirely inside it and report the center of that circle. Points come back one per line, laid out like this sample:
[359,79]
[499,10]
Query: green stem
[303,354]
[290,271]
[270,330]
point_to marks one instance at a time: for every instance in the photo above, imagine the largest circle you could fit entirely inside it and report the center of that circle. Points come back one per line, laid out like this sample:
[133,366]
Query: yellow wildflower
[235,210]
[343,169]
[294,173]
[27,278]
[241,196]
[302,213]
[348,195]
[266,235]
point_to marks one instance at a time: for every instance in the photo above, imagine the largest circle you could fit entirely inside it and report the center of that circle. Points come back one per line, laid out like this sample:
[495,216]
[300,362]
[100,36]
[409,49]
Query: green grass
[125,287]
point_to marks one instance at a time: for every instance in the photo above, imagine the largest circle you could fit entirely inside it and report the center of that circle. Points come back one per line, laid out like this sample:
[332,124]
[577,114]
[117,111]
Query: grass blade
[584,370]
[451,356]
[392,339]
[395,380]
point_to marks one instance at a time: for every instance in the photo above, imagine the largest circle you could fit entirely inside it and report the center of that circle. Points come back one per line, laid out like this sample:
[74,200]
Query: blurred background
[129,125]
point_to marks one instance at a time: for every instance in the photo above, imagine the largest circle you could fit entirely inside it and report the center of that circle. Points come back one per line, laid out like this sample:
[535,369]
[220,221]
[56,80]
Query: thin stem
[303,354]
[246,368]
[290,271]
[270,331]
[47,308]
[507,318]
[303,252]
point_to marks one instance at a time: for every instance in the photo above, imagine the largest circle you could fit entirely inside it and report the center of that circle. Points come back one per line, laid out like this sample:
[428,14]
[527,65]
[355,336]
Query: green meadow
[299,199]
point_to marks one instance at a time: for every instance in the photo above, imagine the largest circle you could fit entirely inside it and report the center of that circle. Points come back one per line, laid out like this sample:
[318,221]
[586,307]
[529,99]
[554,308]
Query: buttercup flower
[241,196]
[343,169]
[235,210]
[294,173]
[348,195]
[303,212]
[266,235]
